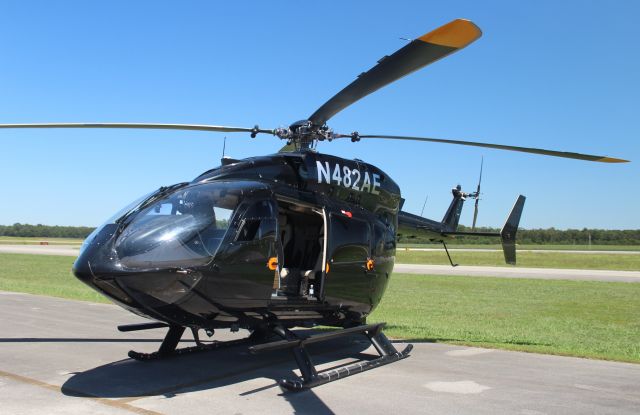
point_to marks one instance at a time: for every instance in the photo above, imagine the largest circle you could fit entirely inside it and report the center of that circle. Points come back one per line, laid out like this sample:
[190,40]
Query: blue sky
[559,75]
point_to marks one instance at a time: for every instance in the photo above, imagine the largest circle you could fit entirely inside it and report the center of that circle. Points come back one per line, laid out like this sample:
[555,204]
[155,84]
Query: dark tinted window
[350,239]
[258,222]
[183,228]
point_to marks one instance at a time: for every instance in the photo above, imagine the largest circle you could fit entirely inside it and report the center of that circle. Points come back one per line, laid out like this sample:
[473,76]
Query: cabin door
[348,282]
[248,263]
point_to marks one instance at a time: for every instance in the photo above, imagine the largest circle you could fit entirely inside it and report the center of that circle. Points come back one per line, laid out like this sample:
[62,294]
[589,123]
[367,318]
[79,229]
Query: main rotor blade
[420,52]
[564,154]
[193,127]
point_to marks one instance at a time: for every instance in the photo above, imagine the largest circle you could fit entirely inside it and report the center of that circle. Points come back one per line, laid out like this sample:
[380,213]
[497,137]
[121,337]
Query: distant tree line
[45,231]
[549,236]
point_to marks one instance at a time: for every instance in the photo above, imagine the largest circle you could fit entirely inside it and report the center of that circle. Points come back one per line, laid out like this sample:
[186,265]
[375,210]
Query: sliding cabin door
[348,282]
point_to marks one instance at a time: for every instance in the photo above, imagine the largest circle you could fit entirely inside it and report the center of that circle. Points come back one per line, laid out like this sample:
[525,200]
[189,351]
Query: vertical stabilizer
[509,230]
[452,217]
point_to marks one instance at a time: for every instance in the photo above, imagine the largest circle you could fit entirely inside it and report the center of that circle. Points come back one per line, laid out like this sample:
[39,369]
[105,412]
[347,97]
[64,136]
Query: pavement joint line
[118,403]
[219,376]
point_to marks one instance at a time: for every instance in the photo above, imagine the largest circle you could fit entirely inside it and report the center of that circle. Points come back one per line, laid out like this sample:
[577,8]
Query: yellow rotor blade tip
[456,34]
[612,160]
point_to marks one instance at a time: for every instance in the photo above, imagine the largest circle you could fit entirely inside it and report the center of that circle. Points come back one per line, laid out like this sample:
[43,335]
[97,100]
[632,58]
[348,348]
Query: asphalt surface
[474,271]
[63,250]
[566,251]
[520,272]
[66,357]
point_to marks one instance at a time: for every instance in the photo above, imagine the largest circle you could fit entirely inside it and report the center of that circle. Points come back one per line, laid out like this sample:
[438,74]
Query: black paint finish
[172,259]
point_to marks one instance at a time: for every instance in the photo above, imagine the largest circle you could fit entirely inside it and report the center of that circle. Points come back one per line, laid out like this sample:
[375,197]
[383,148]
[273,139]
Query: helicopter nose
[92,269]
[93,253]
[82,270]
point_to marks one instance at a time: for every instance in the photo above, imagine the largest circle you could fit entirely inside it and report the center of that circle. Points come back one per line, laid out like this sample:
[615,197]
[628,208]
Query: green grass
[18,240]
[44,274]
[577,318]
[623,262]
[529,247]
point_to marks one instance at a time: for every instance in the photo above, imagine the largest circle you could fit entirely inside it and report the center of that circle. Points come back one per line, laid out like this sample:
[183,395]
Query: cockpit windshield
[182,229]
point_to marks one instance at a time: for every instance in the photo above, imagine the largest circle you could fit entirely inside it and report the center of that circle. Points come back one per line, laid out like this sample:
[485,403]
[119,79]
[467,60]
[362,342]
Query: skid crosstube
[310,376]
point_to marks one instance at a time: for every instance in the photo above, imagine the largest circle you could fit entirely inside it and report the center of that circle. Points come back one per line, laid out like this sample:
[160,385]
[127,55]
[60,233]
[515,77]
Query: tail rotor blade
[477,196]
[480,178]
[475,216]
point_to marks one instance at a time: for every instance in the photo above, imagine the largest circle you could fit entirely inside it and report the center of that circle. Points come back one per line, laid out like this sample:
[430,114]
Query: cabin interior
[302,240]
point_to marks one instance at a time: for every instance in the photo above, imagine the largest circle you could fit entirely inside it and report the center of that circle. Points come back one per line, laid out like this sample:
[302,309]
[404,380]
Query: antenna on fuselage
[224,145]
[425,204]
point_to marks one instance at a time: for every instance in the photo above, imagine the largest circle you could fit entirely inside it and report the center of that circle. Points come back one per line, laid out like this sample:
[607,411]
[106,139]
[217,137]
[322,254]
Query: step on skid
[310,376]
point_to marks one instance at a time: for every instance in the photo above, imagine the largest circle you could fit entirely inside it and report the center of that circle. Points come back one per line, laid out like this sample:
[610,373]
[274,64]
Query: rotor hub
[304,134]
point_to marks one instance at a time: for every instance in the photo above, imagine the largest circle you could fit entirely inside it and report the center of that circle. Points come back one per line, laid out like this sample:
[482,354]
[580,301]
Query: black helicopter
[269,243]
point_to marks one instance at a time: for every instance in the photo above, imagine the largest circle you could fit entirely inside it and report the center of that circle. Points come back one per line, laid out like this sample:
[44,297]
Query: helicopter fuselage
[292,238]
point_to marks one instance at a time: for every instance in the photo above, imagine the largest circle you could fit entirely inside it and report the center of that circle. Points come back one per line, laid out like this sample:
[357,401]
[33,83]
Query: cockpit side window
[258,222]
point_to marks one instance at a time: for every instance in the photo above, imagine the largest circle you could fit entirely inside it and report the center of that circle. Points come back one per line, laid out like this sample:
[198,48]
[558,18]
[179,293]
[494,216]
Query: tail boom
[410,224]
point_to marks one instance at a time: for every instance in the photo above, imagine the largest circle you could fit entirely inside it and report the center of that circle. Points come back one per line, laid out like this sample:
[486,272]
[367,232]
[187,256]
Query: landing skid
[310,376]
[169,346]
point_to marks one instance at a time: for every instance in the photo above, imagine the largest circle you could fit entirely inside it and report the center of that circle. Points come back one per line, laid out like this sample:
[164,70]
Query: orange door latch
[272,264]
[370,264]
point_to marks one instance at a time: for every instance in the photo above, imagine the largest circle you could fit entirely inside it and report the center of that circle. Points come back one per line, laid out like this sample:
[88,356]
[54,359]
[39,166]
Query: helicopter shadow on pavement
[212,370]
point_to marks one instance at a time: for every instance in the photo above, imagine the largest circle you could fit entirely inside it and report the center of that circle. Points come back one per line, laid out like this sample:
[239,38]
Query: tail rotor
[476,196]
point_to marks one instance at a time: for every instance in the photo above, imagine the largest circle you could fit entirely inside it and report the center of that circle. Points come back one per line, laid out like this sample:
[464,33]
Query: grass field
[588,319]
[623,262]
[43,274]
[576,318]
